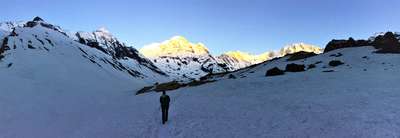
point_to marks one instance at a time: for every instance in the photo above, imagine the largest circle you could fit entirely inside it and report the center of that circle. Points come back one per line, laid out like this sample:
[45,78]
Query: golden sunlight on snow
[175,46]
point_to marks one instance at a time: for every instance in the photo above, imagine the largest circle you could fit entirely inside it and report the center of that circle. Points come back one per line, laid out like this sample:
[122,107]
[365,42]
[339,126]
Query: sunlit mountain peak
[297,47]
[176,46]
[103,29]
[247,57]
[237,59]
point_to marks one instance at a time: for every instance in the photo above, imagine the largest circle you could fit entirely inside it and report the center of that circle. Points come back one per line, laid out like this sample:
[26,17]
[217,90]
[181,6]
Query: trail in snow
[156,128]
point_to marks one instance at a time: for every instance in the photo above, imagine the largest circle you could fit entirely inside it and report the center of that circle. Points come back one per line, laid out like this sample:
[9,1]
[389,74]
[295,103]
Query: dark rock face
[4,47]
[13,33]
[294,68]
[274,72]
[34,22]
[387,43]
[39,21]
[30,24]
[117,50]
[338,44]
[300,55]
[335,63]
[37,18]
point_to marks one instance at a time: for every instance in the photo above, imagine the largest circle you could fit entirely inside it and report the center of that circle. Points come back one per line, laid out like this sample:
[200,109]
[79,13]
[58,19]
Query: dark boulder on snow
[294,67]
[387,43]
[311,66]
[300,55]
[335,63]
[274,72]
[338,44]
[231,76]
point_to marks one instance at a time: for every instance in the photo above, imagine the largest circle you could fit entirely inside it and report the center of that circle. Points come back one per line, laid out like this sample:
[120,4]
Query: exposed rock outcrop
[274,72]
[384,43]
[295,68]
[300,55]
[335,63]
[387,43]
[338,44]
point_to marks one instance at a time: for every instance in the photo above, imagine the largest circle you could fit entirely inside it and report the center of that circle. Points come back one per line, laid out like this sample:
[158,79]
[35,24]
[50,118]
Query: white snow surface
[8,26]
[56,99]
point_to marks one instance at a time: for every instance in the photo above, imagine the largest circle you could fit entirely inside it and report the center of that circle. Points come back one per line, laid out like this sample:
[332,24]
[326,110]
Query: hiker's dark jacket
[164,100]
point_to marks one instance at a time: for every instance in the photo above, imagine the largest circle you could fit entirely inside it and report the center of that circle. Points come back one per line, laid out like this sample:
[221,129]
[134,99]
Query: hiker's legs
[166,112]
[163,115]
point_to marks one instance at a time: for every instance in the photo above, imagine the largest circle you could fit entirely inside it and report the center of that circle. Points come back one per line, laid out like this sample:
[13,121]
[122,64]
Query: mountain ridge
[38,38]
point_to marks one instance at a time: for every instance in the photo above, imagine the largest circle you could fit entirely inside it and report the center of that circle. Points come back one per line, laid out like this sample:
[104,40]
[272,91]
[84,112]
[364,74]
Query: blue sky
[253,26]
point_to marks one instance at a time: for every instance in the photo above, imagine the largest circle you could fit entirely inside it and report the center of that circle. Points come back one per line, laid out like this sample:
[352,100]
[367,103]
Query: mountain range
[35,45]
[176,58]
[236,59]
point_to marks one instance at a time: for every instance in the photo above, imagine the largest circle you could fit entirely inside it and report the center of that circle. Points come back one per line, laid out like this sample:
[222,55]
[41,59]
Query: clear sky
[252,26]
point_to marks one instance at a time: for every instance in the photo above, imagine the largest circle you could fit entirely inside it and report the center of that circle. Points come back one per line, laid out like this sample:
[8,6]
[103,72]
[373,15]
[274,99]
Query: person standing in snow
[164,100]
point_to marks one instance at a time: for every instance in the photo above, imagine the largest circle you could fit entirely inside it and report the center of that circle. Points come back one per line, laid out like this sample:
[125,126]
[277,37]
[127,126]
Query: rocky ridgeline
[39,35]
[387,43]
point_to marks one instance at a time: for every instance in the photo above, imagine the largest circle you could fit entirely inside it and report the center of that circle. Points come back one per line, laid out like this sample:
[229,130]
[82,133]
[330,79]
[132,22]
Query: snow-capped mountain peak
[104,30]
[244,56]
[297,47]
[182,59]
[236,59]
[176,46]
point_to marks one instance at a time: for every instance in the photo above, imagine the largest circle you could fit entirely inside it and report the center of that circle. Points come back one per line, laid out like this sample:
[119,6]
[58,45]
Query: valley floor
[344,103]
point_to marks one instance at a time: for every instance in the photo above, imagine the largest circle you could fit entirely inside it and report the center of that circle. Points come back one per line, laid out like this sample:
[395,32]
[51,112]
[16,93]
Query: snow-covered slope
[54,86]
[38,45]
[181,59]
[8,26]
[358,99]
[237,60]
[104,41]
